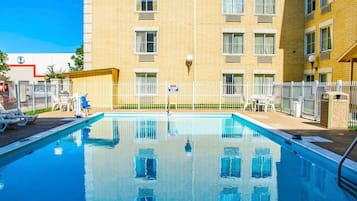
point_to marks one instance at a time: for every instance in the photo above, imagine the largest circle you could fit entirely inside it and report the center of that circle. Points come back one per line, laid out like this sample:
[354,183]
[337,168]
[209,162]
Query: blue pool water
[154,157]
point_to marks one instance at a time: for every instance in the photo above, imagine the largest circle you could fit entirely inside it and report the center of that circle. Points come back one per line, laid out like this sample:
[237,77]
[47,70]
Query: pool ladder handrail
[345,183]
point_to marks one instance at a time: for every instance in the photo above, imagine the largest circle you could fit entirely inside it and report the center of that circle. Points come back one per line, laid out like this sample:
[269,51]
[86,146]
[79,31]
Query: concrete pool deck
[341,139]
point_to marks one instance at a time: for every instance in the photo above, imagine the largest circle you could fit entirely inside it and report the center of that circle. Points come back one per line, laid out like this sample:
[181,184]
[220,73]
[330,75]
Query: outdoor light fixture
[312,59]
[189,59]
[188,148]
[58,149]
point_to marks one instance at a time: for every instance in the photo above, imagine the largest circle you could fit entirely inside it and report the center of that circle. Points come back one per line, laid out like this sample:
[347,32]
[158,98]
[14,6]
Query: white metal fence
[195,96]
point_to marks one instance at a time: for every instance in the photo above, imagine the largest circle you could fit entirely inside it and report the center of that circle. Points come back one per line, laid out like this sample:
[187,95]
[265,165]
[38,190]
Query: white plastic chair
[65,102]
[248,103]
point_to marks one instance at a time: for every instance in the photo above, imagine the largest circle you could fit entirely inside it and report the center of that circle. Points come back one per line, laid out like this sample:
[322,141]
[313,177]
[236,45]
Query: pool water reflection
[214,157]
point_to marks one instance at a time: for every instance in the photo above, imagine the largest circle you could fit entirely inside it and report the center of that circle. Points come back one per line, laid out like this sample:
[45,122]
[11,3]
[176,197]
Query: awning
[349,54]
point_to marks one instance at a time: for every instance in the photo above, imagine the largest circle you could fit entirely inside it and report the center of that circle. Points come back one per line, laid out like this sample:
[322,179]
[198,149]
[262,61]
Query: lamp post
[189,59]
[312,61]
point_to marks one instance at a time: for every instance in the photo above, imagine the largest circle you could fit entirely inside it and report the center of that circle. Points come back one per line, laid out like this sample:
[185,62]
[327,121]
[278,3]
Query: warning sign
[173,88]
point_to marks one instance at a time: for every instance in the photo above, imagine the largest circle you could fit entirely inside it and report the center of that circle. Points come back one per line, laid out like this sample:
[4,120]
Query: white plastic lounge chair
[4,123]
[23,119]
[17,114]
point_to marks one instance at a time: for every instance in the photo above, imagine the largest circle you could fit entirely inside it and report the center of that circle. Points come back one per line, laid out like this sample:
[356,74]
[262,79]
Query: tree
[4,68]
[78,60]
[52,74]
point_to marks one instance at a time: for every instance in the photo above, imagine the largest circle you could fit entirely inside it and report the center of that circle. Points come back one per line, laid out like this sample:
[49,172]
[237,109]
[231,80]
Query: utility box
[297,108]
[334,110]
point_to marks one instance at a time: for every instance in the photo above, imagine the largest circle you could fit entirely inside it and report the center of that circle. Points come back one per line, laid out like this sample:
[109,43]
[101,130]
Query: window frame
[146,11]
[265,8]
[146,175]
[262,88]
[233,155]
[324,3]
[261,158]
[264,44]
[232,86]
[231,129]
[232,13]
[232,34]
[146,130]
[329,40]
[310,44]
[154,42]
[137,93]
[312,4]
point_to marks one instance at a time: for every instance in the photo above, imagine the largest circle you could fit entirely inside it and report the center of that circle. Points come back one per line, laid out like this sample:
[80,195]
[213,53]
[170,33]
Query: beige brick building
[248,40]
[231,42]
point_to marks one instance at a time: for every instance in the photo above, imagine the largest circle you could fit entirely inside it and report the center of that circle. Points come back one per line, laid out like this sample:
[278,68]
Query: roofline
[94,72]
[344,56]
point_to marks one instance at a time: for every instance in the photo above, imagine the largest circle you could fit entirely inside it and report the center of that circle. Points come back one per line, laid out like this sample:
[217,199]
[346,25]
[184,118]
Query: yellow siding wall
[99,89]
[183,30]
[344,33]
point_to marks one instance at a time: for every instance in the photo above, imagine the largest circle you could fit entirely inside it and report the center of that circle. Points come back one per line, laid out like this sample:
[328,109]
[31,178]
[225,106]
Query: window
[264,44]
[325,77]
[261,163]
[146,84]
[326,40]
[264,7]
[146,42]
[306,169]
[324,3]
[309,78]
[232,128]
[145,164]
[260,193]
[310,43]
[233,7]
[146,5]
[229,194]
[310,4]
[230,162]
[263,84]
[232,43]
[145,194]
[146,129]
[232,84]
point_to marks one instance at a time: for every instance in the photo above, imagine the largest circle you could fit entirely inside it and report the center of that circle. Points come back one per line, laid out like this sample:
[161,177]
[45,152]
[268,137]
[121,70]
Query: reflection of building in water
[228,161]
[311,180]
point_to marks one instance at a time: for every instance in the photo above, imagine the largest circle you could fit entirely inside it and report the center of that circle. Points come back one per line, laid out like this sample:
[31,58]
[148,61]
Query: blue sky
[41,26]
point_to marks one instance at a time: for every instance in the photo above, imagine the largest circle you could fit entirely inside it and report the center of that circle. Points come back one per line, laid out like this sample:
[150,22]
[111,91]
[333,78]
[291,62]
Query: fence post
[46,96]
[220,95]
[193,95]
[316,107]
[138,95]
[291,98]
[17,91]
[339,86]
[302,98]
[167,103]
[33,97]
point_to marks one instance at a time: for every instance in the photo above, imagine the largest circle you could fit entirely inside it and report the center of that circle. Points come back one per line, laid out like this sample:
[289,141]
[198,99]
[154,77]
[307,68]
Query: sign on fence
[173,88]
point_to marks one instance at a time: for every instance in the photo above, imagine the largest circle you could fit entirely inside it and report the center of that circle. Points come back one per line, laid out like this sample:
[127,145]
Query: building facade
[227,41]
[330,35]
[33,67]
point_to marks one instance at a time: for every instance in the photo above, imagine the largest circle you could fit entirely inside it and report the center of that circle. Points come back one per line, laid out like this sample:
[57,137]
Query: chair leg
[273,107]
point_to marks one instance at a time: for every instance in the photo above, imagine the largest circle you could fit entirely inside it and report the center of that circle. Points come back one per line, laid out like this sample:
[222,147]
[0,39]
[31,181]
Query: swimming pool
[158,157]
